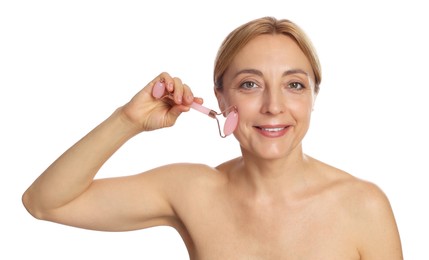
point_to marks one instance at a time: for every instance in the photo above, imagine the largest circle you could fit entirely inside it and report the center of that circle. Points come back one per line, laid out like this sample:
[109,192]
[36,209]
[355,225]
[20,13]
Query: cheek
[302,115]
[302,109]
[247,108]
[300,106]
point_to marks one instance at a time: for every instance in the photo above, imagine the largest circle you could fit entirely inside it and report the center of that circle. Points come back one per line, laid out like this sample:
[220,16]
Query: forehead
[271,52]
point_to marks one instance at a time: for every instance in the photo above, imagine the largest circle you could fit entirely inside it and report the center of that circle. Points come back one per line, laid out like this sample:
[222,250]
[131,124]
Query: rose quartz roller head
[231,120]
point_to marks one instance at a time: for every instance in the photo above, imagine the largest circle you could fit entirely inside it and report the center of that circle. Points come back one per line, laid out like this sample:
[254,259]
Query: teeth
[273,129]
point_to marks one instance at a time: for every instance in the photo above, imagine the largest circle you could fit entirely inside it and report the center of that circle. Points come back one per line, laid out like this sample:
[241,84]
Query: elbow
[29,206]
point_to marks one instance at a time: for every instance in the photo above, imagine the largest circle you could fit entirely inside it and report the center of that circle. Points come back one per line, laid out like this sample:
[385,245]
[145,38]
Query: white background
[66,65]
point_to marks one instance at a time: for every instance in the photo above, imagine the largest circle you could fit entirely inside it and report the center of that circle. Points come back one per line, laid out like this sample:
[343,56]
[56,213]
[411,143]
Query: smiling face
[271,83]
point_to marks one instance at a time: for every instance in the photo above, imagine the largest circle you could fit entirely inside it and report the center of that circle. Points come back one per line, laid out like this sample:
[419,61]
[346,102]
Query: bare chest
[269,231]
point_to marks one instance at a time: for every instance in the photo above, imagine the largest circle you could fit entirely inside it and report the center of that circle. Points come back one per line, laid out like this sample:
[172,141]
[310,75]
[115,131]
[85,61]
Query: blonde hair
[239,37]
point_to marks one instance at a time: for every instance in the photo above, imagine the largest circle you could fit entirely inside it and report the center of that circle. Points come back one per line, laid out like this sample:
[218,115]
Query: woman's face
[270,81]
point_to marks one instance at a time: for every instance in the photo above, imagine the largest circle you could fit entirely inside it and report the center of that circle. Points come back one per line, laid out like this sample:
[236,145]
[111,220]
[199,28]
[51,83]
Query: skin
[273,202]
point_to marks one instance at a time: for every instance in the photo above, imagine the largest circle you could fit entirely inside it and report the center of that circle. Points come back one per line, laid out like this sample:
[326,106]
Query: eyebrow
[259,73]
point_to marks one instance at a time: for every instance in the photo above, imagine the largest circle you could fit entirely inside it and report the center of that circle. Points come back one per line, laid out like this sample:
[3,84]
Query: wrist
[125,124]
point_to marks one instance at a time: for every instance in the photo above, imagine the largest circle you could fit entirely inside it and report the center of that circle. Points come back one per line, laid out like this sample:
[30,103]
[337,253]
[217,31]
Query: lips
[272,130]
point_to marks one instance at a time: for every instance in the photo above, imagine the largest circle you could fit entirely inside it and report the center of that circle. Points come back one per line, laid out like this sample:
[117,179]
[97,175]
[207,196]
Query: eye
[248,85]
[296,86]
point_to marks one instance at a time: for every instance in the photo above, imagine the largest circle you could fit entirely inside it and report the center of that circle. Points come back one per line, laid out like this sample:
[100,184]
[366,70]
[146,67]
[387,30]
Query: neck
[272,177]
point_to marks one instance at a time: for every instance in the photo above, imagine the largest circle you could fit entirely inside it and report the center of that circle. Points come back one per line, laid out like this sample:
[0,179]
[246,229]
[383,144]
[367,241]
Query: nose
[273,102]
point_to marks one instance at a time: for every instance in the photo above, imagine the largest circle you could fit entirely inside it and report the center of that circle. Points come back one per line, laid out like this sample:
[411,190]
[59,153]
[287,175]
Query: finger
[198,100]
[167,80]
[178,91]
[159,85]
[188,96]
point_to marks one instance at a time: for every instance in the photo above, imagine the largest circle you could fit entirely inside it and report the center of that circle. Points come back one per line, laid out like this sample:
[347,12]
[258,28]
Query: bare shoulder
[187,177]
[187,172]
[366,210]
[360,194]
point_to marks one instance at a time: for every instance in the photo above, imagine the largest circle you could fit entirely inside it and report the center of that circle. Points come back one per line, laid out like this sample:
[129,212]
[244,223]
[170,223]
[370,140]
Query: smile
[275,129]
[272,131]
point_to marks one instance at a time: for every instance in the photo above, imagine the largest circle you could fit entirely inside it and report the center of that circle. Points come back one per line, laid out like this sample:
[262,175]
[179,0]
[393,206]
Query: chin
[273,153]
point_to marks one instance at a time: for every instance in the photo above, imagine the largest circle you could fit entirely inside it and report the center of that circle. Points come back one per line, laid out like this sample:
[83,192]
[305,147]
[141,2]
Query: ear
[314,101]
[220,98]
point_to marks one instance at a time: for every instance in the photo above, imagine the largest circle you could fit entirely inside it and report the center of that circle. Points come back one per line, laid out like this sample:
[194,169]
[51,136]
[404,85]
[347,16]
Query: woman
[273,202]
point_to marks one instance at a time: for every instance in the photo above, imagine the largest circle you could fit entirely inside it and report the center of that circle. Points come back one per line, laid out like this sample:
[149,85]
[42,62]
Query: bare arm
[67,193]
[379,233]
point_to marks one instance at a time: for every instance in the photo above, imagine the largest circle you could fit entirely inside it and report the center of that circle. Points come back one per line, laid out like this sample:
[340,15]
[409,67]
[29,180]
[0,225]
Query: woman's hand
[146,112]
